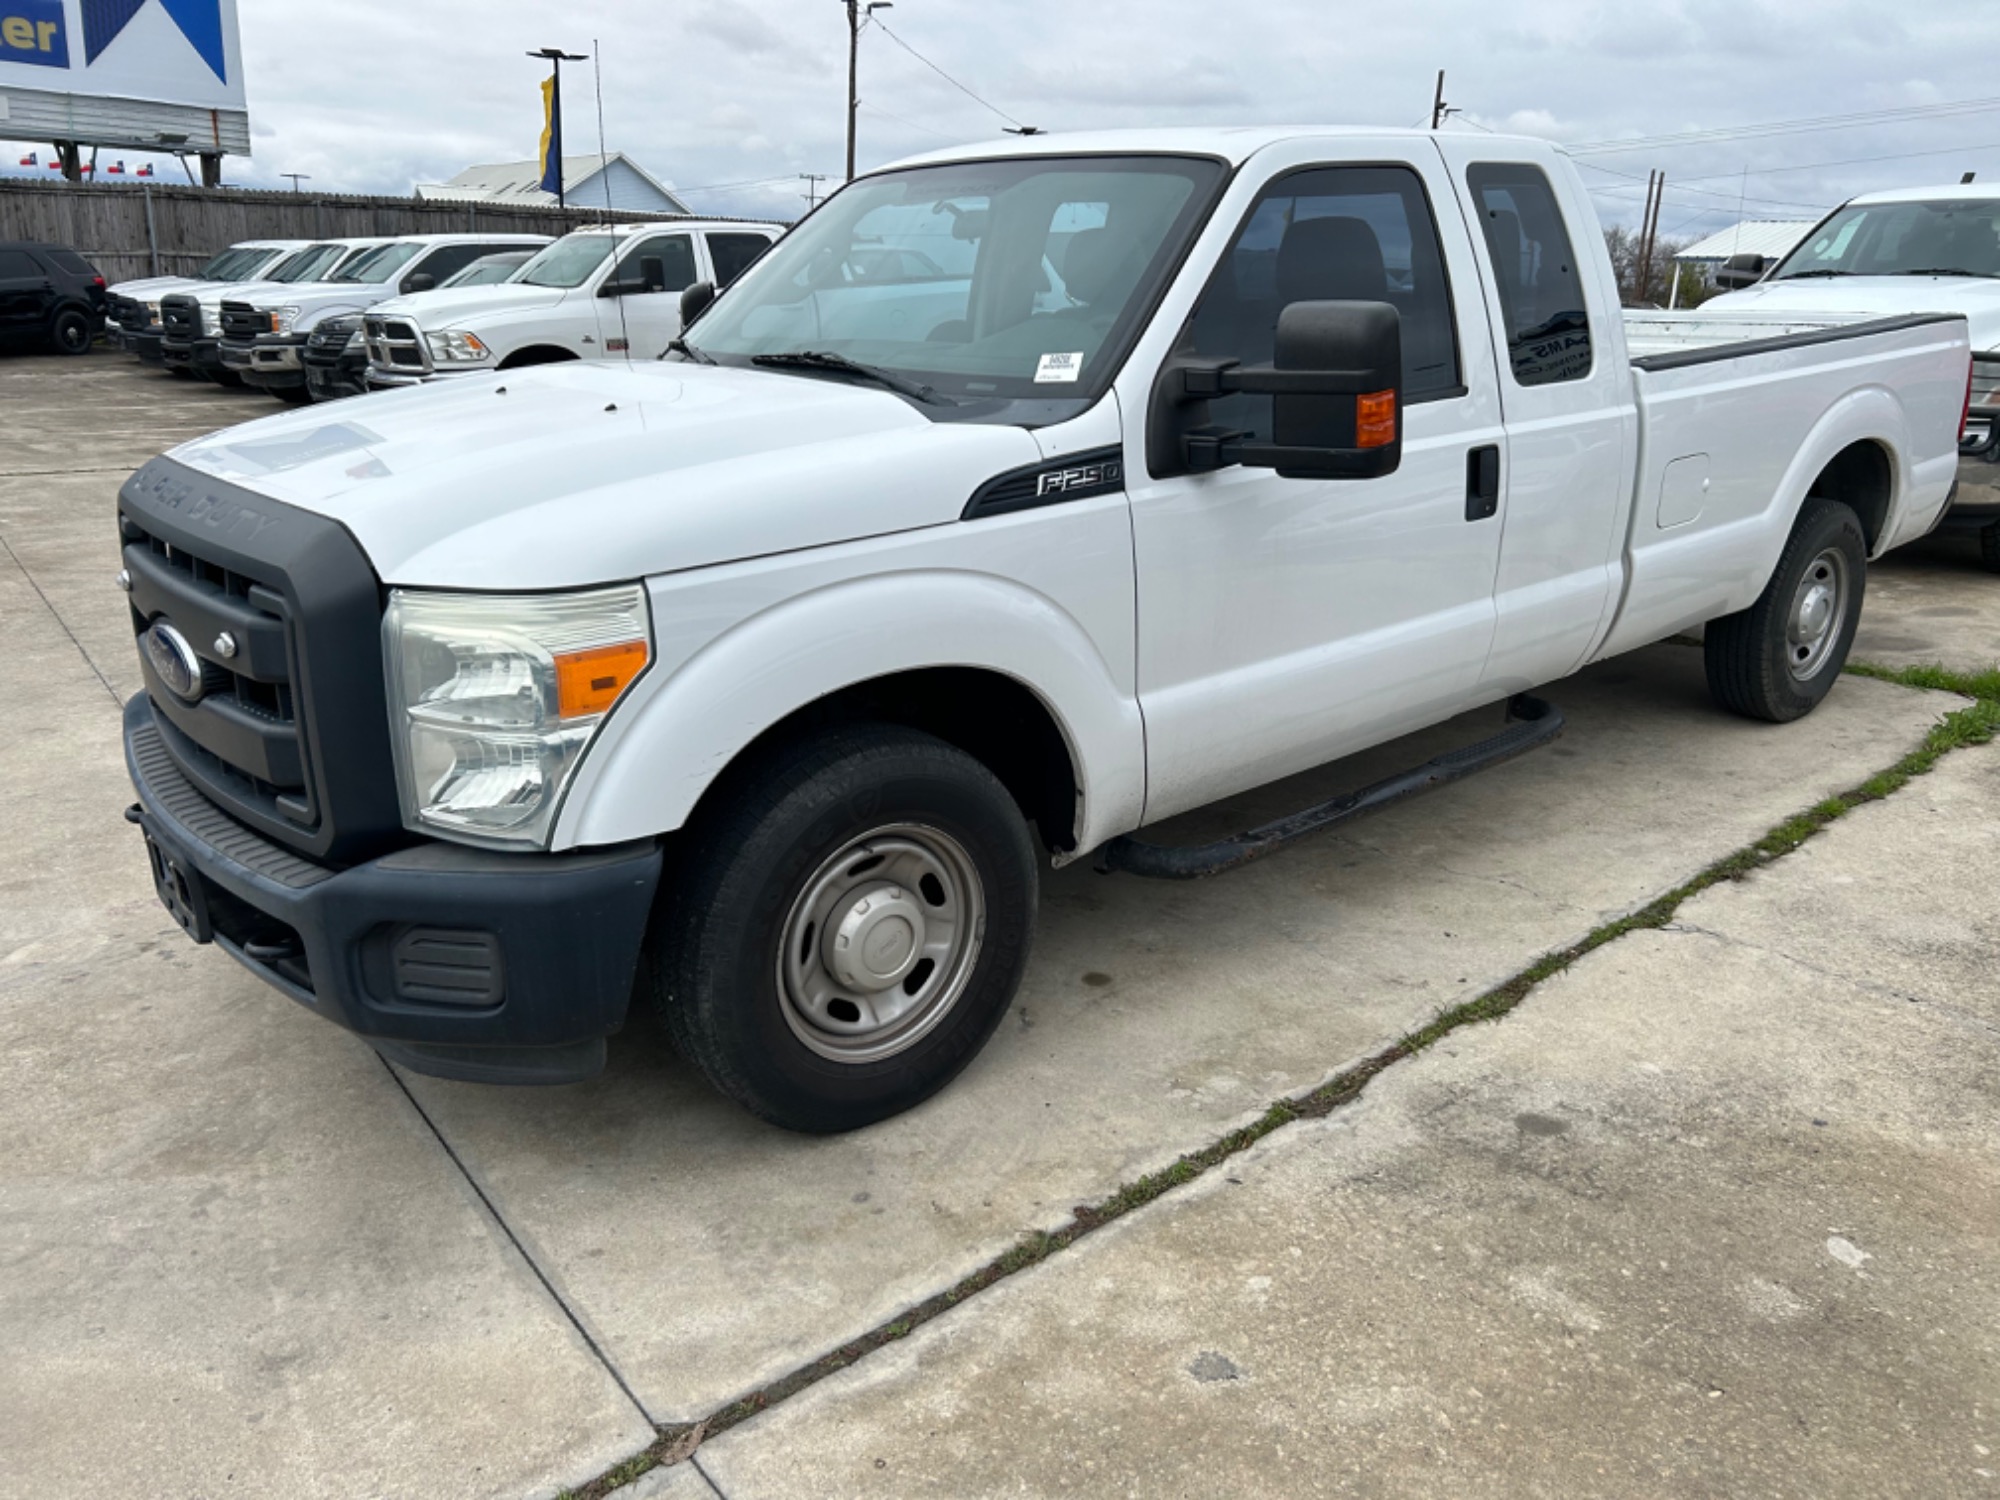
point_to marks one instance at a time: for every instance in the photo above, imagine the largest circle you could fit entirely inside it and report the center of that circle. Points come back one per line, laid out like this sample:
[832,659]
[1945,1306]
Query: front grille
[240,738]
[330,337]
[288,733]
[396,346]
[242,321]
[128,312]
[180,316]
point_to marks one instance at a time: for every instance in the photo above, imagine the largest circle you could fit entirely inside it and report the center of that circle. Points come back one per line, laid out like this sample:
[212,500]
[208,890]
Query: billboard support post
[152,235]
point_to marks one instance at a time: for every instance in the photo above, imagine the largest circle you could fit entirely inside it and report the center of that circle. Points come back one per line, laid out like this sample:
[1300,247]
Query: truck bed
[1648,332]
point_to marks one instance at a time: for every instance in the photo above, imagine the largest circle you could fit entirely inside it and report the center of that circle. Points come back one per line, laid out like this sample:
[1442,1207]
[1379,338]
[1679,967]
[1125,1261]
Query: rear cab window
[1535,271]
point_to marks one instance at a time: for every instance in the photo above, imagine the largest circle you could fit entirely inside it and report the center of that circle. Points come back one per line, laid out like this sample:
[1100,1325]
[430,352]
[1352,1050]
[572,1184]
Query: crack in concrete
[61,623]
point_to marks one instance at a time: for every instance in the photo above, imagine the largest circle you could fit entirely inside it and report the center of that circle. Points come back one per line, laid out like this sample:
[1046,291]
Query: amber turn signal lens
[589,682]
[1375,419]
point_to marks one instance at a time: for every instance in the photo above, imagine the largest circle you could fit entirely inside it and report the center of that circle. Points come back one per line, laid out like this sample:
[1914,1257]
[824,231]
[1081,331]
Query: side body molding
[760,658]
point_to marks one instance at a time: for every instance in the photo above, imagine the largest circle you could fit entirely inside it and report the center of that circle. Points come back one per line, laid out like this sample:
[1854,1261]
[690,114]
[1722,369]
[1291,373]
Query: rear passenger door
[732,253]
[27,294]
[1285,622]
[1571,426]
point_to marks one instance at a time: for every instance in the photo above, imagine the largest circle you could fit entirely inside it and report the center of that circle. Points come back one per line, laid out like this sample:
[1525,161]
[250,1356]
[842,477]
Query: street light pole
[557,57]
[857,17]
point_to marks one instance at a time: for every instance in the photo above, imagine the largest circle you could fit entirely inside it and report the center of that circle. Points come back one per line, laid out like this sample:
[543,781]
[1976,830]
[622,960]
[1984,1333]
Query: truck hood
[212,294]
[315,299]
[1977,297]
[462,306]
[151,286]
[567,475]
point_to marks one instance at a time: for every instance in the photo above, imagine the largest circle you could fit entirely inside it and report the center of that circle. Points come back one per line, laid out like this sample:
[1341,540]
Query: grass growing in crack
[1976,724]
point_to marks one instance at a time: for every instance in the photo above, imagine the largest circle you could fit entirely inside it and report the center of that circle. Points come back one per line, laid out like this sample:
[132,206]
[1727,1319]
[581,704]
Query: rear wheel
[71,332]
[1778,658]
[849,926]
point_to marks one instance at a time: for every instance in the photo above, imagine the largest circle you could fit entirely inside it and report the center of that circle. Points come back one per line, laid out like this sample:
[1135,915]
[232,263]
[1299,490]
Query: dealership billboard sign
[166,74]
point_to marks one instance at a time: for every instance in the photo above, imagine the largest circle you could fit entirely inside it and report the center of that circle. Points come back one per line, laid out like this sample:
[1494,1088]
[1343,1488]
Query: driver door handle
[1482,482]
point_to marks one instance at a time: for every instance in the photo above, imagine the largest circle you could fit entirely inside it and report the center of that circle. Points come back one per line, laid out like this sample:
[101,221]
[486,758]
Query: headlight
[457,348]
[153,309]
[211,320]
[496,698]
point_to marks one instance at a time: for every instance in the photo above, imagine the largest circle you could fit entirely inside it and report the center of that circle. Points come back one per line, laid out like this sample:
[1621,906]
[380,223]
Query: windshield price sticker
[1059,367]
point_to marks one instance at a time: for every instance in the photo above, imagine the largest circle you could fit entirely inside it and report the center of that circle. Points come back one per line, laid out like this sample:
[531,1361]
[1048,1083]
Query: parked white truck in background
[191,320]
[132,308]
[749,678]
[607,292]
[1914,250]
[264,334]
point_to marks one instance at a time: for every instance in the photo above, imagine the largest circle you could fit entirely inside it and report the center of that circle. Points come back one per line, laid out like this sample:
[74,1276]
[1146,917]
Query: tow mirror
[695,300]
[1741,271]
[1336,388]
[419,281]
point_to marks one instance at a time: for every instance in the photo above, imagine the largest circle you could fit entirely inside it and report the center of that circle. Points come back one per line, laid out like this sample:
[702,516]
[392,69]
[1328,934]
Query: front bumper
[335,379]
[457,962]
[1975,502]
[272,361]
[203,355]
[145,342]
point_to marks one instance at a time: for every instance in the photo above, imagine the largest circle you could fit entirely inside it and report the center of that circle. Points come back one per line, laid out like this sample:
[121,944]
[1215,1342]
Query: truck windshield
[224,267]
[1938,237]
[309,264]
[1009,279]
[568,262]
[377,266]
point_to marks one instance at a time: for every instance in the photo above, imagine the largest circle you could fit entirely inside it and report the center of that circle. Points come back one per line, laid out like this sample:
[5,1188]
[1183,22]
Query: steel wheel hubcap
[1817,610]
[880,943]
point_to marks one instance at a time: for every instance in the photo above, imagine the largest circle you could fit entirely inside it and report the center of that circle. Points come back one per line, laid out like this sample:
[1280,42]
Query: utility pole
[812,180]
[297,178]
[1649,228]
[857,17]
[1437,102]
[557,57]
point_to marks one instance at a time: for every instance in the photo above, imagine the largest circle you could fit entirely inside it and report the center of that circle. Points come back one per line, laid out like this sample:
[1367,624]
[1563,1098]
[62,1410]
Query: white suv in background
[604,292]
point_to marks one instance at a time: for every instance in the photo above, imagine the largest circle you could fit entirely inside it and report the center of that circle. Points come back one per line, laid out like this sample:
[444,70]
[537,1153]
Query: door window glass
[445,261]
[1331,234]
[675,254]
[1540,283]
[18,265]
[733,253]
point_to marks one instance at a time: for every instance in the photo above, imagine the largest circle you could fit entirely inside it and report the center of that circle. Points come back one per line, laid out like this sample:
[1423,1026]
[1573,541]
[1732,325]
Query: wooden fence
[160,229]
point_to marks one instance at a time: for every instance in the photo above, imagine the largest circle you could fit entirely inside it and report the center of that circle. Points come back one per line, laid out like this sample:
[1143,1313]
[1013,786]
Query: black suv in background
[50,295]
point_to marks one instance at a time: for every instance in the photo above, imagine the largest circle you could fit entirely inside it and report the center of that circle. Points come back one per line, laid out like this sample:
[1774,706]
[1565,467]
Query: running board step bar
[1532,723]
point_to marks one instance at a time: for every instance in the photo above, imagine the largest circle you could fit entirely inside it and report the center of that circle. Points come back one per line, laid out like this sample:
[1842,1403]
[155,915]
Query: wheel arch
[983,663]
[538,354]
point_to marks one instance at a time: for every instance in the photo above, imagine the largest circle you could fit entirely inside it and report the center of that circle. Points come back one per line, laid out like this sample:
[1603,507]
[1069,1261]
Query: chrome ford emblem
[174,660]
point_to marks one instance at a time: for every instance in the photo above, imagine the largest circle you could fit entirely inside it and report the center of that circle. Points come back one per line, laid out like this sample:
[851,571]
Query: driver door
[1287,622]
[640,321]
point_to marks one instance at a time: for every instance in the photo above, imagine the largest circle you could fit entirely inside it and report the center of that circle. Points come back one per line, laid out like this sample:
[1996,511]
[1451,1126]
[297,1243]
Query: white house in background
[587,181]
[1773,239]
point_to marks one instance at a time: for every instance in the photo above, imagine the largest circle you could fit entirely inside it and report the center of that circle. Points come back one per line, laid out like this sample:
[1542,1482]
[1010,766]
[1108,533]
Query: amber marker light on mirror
[1375,419]
[589,682]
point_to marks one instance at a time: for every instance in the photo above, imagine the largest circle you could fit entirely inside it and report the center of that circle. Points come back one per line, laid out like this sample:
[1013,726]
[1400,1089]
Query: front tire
[851,922]
[1777,659]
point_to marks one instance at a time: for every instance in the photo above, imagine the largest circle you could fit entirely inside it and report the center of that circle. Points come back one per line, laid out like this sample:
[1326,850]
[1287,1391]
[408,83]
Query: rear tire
[293,395]
[1989,547]
[71,332]
[850,923]
[1777,659]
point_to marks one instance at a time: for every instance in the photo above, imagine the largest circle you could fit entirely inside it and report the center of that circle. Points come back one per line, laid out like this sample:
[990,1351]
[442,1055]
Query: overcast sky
[374,95]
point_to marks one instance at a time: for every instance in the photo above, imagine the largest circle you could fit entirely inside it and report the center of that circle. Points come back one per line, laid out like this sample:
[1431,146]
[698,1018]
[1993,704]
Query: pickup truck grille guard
[395,346]
[1532,724]
[278,712]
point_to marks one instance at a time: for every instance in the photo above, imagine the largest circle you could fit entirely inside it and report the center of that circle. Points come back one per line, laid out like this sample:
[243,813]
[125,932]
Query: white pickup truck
[132,308]
[1913,250]
[191,320]
[742,685]
[609,292]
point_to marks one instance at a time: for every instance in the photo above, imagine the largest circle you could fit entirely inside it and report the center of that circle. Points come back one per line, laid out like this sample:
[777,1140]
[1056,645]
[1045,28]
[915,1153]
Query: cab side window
[733,254]
[1536,272]
[1362,234]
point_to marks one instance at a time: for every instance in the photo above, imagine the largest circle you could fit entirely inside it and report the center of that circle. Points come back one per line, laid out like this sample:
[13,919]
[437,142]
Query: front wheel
[851,921]
[1776,660]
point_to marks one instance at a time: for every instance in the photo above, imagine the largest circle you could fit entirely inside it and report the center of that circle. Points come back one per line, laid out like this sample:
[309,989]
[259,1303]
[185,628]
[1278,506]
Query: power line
[1700,192]
[1788,127]
[875,109]
[941,72]
[716,187]
[1817,166]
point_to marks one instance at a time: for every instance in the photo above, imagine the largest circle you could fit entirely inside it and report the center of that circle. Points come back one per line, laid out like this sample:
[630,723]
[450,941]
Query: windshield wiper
[840,364]
[687,351]
[1945,271]
[1802,275]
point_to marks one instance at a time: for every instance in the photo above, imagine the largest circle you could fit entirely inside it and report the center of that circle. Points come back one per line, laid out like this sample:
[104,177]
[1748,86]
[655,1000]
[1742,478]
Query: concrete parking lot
[1711,1211]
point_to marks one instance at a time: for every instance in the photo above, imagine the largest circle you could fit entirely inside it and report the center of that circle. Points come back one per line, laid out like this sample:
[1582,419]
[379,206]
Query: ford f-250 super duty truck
[741,684]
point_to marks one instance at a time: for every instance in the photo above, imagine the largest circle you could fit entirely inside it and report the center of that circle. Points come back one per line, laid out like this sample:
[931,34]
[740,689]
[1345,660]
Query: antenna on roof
[604,176]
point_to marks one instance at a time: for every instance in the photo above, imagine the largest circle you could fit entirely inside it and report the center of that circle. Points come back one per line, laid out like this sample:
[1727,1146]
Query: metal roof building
[615,181]
[1770,238]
